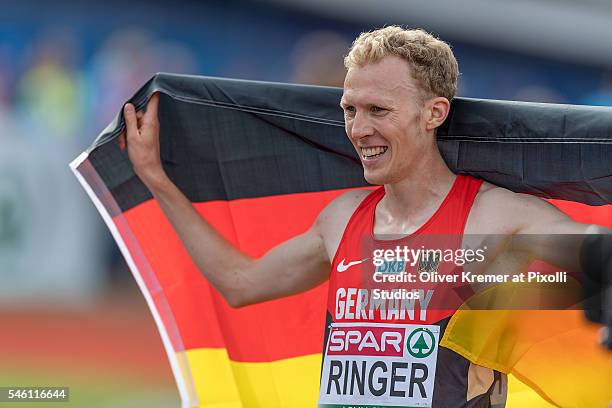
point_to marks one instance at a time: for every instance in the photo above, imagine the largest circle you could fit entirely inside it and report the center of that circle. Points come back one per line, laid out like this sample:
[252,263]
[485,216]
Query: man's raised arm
[292,267]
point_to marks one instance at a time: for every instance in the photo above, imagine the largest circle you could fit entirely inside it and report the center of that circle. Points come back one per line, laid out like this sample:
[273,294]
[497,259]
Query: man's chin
[375,178]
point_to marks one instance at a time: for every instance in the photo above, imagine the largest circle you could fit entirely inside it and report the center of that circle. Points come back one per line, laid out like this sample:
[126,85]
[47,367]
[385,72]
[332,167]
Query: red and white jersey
[382,330]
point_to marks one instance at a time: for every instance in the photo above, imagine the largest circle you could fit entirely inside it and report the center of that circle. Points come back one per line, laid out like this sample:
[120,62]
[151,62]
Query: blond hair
[431,60]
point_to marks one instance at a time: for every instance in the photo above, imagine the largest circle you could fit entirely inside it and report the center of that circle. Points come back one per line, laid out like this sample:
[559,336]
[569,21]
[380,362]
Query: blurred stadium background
[70,313]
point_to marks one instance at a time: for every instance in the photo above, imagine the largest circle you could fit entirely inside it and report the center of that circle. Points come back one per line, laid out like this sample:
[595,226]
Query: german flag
[259,161]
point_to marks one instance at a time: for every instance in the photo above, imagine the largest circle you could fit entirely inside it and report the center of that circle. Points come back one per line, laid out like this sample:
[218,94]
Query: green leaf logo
[421,343]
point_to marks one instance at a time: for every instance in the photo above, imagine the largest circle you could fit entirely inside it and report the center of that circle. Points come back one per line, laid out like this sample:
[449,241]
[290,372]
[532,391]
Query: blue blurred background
[70,313]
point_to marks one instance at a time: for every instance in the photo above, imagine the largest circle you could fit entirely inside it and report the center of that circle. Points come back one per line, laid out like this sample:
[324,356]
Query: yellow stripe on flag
[555,352]
[294,382]
[520,395]
[222,383]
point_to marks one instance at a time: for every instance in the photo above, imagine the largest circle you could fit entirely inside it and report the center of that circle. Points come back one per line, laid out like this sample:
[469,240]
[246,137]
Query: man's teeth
[369,152]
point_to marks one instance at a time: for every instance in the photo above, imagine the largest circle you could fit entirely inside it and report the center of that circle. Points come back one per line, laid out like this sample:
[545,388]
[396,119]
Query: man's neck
[422,191]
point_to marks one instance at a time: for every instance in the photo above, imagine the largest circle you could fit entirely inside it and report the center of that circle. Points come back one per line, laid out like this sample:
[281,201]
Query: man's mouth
[368,153]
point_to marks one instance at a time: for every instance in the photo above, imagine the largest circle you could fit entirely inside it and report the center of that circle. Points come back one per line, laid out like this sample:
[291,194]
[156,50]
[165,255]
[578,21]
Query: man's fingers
[151,115]
[131,122]
[139,115]
[121,141]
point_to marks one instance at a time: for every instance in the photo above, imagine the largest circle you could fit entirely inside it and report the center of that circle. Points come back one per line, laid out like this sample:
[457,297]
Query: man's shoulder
[497,209]
[350,199]
[492,196]
[343,205]
[334,218]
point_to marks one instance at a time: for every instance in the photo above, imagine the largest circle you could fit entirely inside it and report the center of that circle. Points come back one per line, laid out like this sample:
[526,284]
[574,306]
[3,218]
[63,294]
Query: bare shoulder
[340,209]
[348,200]
[332,221]
[497,210]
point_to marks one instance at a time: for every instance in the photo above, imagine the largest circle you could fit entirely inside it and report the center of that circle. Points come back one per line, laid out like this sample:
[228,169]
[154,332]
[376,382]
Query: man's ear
[438,109]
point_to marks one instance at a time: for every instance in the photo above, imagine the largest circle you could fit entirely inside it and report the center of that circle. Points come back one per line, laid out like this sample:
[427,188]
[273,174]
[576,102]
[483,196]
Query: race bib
[379,365]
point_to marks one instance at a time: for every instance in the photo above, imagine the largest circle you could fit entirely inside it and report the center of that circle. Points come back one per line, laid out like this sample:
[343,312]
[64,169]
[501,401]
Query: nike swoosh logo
[343,267]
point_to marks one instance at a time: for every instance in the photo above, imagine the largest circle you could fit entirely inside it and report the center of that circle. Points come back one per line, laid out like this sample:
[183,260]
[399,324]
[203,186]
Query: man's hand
[142,141]
[294,266]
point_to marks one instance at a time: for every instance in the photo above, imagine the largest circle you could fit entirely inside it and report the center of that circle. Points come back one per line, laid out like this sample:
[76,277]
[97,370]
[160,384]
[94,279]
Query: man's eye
[349,109]
[376,109]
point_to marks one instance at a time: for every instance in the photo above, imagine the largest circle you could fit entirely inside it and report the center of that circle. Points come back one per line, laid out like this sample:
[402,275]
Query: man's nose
[361,126]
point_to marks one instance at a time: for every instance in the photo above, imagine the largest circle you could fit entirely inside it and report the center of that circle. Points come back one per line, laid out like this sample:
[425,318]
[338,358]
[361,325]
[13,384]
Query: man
[397,92]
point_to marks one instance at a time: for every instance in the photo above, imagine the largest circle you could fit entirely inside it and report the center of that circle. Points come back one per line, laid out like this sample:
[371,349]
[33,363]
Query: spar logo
[370,341]
[373,363]
[421,343]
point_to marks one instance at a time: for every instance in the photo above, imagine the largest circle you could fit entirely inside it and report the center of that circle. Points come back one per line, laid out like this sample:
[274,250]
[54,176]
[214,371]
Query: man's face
[382,113]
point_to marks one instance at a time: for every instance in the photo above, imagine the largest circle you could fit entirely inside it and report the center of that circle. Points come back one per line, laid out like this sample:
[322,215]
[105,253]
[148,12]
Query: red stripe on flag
[268,331]
[601,215]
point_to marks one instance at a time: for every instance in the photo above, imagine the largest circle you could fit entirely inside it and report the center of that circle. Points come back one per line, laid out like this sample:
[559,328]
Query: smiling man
[379,351]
